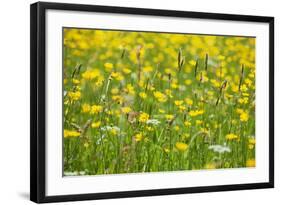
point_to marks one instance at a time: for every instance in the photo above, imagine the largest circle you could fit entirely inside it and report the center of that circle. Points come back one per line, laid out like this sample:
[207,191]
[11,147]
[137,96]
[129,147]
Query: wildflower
[192,62]
[210,166]
[188,101]
[231,137]
[244,117]
[91,74]
[130,89]
[215,83]
[96,109]
[143,95]
[251,75]
[74,95]
[219,148]
[169,117]
[181,146]
[86,108]
[246,94]
[118,98]
[174,85]
[251,142]
[244,100]
[194,113]
[239,111]
[153,122]
[114,91]
[235,88]
[248,82]
[147,69]
[244,88]
[70,133]
[143,117]
[187,123]
[160,96]
[149,128]
[182,108]
[99,82]
[126,110]
[75,81]
[188,82]
[126,70]
[141,83]
[108,67]
[96,124]
[168,92]
[114,130]
[178,102]
[176,128]
[169,71]
[138,137]
[251,163]
[117,75]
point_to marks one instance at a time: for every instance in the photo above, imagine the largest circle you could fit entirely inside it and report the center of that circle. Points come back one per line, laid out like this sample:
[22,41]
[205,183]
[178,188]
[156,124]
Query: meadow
[152,102]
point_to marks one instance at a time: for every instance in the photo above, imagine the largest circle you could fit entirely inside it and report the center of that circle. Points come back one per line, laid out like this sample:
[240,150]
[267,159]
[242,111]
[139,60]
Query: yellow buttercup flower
[239,111]
[108,67]
[147,69]
[91,74]
[160,96]
[75,81]
[176,128]
[126,110]
[192,62]
[86,108]
[231,137]
[130,89]
[182,108]
[251,163]
[96,109]
[187,123]
[74,95]
[143,95]
[188,101]
[143,117]
[138,137]
[117,75]
[118,99]
[70,133]
[251,142]
[194,113]
[210,166]
[178,102]
[181,146]
[244,117]
[169,117]
[126,70]
[114,91]
[96,124]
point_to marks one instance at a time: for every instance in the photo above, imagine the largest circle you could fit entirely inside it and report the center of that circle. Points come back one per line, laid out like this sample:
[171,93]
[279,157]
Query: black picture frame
[38,100]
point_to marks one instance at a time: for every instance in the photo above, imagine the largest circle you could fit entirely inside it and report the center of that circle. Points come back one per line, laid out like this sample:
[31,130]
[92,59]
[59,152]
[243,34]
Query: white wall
[14,100]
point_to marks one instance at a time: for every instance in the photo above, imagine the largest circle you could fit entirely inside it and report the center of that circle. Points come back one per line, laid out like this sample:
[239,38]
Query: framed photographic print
[129,102]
